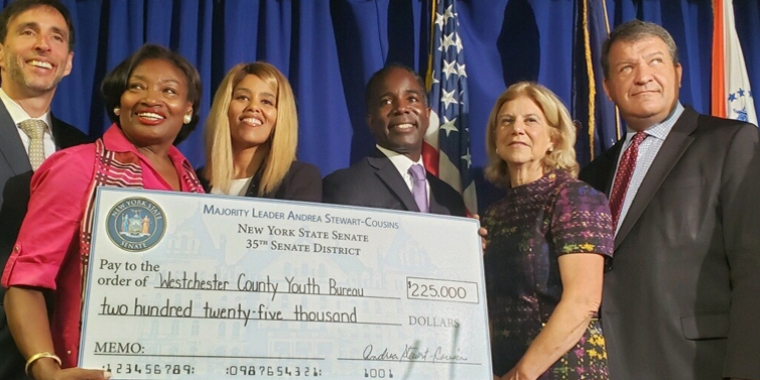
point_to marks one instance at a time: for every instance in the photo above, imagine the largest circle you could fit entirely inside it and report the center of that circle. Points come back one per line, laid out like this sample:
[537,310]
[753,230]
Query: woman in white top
[251,138]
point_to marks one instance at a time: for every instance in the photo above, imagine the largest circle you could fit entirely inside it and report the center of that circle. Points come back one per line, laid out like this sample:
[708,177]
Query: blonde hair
[281,144]
[562,132]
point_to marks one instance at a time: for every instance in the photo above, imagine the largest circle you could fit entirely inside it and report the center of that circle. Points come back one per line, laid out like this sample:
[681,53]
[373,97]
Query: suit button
[68,352]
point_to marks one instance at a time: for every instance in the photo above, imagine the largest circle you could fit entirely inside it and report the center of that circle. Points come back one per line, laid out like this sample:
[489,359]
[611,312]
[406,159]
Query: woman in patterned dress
[548,241]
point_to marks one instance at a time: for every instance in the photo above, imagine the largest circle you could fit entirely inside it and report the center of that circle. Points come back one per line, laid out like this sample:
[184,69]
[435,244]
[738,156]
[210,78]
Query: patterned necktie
[419,187]
[623,177]
[35,129]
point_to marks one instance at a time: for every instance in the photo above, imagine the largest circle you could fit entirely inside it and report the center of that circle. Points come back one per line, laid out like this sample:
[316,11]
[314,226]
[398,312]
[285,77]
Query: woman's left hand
[482,232]
[515,374]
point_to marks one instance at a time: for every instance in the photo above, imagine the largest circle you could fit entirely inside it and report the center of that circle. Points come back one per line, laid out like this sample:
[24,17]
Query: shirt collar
[662,129]
[18,114]
[400,161]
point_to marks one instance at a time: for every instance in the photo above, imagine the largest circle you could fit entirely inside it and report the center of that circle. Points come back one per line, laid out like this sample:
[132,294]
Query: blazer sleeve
[59,193]
[444,197]
[356,187]
[303,183]
[334,188]
[598,173]
[740,216]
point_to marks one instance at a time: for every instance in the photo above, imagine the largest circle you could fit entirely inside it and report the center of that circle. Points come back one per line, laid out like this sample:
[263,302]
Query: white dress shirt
[648,150]
[402,164]
[237,187]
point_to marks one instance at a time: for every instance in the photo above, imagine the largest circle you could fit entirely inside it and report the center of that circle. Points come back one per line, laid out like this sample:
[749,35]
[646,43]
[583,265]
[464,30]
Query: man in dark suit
[36,52]
[682,297]
[398,116]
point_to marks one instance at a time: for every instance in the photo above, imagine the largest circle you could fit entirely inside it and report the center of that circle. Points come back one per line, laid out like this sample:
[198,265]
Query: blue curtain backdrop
[329,48]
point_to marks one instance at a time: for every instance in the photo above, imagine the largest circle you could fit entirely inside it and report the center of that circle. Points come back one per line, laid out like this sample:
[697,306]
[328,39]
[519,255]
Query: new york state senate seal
[136,224]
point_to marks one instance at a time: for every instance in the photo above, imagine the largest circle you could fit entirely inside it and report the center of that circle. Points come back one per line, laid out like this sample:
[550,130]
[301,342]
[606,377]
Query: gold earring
[117,111]
[188,119]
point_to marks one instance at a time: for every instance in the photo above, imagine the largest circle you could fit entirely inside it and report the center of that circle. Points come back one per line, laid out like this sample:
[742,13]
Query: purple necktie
[419,186]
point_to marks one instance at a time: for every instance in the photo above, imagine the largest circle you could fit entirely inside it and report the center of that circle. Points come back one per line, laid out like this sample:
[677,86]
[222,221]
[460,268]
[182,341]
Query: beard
[17,75]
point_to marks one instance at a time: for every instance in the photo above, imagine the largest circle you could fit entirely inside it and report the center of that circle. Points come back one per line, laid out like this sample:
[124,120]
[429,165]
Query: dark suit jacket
[15,176]
[374,182]
[682,299]
[302,182]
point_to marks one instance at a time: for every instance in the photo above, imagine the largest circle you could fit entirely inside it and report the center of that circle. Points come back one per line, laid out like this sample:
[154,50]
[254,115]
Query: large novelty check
[184,286]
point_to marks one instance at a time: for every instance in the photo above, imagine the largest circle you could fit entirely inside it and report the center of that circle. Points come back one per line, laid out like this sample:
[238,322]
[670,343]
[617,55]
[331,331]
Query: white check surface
[242,288]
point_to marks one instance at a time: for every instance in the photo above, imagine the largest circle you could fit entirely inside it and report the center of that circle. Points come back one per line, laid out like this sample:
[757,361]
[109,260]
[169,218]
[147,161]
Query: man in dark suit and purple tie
[393,176]
[36,52]
[682,297]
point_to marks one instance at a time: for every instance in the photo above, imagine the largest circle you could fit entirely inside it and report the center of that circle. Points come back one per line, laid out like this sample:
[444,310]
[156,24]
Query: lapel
[59,137]
[388,174]
[434,205]
[608,166]
[11,148]
[672,149]
[600,173]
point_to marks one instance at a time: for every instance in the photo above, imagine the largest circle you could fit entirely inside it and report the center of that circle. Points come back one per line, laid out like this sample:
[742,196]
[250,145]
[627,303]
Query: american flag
[446,151]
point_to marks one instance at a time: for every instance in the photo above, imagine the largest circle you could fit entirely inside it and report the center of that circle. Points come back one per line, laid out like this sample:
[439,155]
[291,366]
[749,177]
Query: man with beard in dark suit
[393,175]
[36,52]
[682,297]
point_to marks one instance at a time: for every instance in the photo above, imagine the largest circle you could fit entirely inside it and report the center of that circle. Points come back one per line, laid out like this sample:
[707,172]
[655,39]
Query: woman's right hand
[27,319]
[74,374]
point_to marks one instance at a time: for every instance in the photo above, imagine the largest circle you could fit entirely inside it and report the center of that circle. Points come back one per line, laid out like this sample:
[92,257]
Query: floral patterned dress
[528,230]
